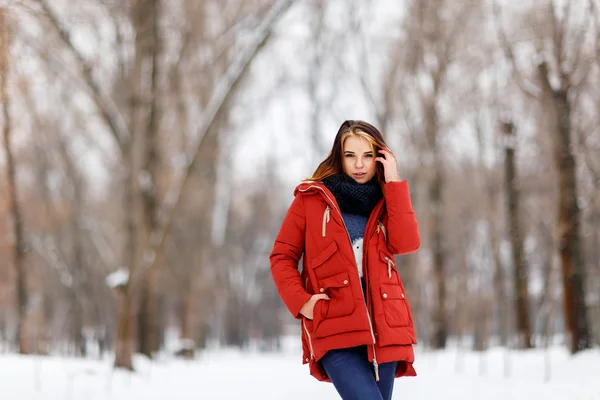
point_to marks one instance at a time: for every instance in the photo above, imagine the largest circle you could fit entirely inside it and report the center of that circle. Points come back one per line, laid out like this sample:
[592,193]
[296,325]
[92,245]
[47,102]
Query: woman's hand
[390,168]
[308,308]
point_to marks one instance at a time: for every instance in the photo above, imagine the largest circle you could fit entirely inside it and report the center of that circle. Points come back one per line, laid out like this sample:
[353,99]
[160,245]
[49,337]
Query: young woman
[347,222]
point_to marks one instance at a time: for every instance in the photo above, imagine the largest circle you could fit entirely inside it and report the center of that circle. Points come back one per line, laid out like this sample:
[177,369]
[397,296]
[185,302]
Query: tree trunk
[595,270]
[77,269]
[440,321]
[546,303]
[124,342]
[127,328]
[149,190]
[498,306]
[77,262]
[189,316]
[19,240]
[77,326]
[499,285]
[520,273]
[501,305]
[205,257]
[462,310]
[569,216]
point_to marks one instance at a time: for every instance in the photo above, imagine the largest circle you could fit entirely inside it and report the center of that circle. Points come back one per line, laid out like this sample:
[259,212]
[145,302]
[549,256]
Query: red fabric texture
[385,324]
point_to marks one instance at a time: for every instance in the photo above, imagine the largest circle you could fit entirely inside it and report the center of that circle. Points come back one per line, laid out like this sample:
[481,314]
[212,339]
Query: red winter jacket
[314,230]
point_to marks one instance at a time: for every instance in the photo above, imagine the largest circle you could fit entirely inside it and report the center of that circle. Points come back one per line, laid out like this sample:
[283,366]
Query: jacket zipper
[375,365]
[312,353]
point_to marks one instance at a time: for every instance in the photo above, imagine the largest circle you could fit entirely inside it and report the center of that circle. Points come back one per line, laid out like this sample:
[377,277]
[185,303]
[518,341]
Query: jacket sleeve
[286,253]
[403,230]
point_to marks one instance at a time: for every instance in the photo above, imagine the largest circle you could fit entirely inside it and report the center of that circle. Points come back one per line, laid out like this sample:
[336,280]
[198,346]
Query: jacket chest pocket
[395,306]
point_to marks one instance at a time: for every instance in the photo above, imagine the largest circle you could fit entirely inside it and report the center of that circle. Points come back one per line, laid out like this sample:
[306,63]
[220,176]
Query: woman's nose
[359,162]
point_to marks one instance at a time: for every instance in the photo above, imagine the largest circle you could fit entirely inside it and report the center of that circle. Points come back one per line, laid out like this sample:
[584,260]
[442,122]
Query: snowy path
[235,375]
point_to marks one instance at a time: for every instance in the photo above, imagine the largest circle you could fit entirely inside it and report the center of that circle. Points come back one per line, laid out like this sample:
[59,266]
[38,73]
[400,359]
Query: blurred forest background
[150,149]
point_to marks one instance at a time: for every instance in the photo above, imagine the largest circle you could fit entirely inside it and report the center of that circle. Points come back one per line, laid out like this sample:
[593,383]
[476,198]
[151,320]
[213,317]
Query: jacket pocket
[312,325]
[395,306]
[338,288]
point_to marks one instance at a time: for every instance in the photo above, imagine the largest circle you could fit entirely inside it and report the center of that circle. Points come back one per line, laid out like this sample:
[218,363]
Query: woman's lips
[361,175]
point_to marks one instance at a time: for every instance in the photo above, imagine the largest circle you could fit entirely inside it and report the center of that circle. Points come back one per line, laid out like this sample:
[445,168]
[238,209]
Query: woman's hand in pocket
[308,308]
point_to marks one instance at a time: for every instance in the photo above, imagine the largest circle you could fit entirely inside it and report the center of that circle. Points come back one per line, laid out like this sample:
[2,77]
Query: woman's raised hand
[390,167]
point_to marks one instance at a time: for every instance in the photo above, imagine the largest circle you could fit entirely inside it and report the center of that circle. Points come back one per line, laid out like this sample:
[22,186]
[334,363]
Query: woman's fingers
[389,156]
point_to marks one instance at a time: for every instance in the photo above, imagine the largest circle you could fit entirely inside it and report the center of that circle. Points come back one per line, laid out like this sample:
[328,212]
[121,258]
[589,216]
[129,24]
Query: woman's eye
[349,155]
[369,155]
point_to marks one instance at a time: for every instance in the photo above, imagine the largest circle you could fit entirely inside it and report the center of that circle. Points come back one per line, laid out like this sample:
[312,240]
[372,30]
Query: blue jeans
[353,376]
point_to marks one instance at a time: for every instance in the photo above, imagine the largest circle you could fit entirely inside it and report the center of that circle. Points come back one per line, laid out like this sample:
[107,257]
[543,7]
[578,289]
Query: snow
[233,374]
[118,278]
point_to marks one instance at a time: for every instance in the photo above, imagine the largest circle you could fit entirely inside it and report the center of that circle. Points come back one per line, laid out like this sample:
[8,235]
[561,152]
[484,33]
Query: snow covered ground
[231,374]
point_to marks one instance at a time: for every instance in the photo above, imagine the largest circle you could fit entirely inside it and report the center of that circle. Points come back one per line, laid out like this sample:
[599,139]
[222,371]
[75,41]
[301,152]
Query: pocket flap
[335,281]
[391,291]
[324,255]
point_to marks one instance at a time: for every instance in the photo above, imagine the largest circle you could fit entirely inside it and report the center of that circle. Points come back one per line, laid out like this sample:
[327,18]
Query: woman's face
[359,159]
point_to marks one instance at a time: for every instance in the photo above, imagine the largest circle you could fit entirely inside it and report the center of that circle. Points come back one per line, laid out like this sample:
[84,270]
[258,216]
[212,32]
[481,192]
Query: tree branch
[596,11]
[581,133]
[528,87]
[559,32]
[362,72]
[576,83]
[109,111]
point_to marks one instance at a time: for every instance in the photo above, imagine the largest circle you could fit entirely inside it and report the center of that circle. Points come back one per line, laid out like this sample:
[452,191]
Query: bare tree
[520,271]
[19,251]
[435,38]
[560,74]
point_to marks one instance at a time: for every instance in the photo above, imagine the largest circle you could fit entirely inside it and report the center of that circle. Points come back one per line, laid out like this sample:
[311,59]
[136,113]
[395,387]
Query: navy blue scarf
[354,197]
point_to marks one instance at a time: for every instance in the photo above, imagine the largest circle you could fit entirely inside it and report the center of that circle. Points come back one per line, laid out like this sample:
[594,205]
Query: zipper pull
[389,268]
[376,367]
[325,221]
[382,228]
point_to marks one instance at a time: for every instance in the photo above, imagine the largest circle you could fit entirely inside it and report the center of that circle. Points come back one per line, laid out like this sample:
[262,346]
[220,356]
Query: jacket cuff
[297,305]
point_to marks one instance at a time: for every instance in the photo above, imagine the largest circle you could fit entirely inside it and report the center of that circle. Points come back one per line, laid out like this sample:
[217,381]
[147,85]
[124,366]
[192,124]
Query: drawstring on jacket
[382,228]
[326,217]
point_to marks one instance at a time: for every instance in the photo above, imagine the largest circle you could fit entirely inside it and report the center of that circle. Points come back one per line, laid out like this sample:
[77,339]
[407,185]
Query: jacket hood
[309,187]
